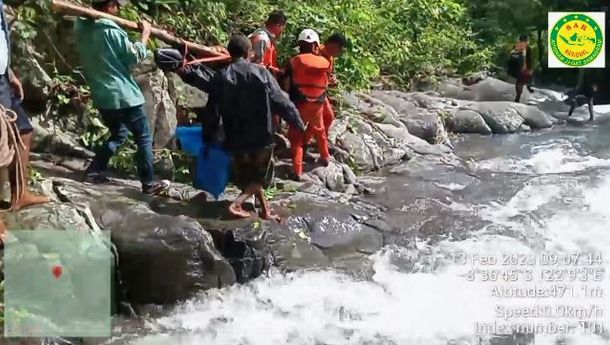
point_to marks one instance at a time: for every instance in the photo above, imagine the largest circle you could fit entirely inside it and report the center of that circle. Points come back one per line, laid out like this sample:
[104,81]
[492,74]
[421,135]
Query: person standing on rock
[244,96]
[524,77]
[107,56]
[264,42]
[306,82]
[332,49]
[264,48]
[11,96]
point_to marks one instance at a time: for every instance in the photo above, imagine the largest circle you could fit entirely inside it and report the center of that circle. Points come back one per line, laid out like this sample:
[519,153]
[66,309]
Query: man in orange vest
[307,82]
[264,42]
[332,49]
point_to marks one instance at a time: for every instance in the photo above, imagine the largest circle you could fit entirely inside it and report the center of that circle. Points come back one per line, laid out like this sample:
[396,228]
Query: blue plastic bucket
[213,170]
[190,139]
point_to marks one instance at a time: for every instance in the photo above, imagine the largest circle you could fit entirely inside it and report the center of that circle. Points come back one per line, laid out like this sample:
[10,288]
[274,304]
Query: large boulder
[419,112]
[534,117]
[159,106]
[162,258]
[366,155]
[467,121]
[53,216]
[486,90]
[501,117]
[25,62]
[51,138]
[184,95]
[332,176]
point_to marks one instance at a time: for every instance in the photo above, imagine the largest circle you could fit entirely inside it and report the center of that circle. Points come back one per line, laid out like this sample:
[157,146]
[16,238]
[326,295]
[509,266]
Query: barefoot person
[11,95]
[107,56]
[524,76]
[245,95]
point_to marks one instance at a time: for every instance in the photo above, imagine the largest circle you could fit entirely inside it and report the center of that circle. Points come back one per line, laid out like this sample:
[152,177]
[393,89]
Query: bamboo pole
[70,9]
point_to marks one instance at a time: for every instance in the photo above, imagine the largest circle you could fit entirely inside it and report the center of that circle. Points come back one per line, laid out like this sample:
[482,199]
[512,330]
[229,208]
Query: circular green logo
[576,40]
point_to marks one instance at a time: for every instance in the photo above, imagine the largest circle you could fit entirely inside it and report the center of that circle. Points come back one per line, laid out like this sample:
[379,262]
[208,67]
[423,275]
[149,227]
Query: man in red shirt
[332,49]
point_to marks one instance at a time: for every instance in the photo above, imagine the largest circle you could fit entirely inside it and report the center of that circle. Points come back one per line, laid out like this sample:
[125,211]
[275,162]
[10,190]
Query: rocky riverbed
[405,184]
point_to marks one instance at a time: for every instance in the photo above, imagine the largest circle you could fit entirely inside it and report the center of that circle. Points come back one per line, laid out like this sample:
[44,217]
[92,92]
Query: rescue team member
[306,82]
[264,42]
[332,49]
[525,75]
[11,95]
[107,56]
[248,125]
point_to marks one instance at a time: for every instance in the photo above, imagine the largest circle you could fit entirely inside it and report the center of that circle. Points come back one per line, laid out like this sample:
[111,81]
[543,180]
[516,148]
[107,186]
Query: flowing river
[539,203]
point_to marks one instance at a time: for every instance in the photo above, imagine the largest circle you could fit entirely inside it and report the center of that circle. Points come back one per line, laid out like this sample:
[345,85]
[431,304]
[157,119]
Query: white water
[560,157]
[397,307]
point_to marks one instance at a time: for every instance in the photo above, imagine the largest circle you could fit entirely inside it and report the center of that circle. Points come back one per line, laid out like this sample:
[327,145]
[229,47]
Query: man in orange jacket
[307,82]
[332,49]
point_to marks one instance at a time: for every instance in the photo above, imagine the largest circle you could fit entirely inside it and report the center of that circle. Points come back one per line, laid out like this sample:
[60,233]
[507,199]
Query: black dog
[579,97]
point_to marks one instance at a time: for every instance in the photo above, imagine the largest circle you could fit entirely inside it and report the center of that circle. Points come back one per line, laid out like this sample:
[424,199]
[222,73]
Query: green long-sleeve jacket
[107,56]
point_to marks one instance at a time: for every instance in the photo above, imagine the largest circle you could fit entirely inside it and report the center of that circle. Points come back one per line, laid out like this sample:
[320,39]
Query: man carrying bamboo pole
[107,56]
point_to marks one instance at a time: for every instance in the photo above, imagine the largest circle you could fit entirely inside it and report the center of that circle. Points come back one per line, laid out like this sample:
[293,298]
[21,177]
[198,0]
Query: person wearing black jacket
[243,98]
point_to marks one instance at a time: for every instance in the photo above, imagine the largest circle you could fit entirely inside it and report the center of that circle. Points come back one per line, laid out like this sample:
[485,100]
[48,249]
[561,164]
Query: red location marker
[57,271]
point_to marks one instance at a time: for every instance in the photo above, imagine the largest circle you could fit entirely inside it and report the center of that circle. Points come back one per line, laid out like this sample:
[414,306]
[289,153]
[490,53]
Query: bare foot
[31,199]
[2,231]
[270,216]
[237,211]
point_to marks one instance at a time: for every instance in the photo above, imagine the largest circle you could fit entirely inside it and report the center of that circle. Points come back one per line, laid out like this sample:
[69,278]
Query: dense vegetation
[402,39]
[397,40]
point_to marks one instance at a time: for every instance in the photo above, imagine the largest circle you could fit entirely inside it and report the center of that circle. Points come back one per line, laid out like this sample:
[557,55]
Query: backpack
[515,63]
[516,60]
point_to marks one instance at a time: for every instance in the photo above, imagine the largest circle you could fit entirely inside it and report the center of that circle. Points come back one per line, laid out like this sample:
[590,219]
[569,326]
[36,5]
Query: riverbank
[394,171]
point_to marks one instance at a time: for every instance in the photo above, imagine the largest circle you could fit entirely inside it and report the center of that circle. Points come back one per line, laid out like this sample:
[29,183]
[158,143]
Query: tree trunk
[540,49]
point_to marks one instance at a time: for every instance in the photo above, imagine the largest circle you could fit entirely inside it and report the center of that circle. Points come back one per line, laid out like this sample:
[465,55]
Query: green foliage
[34,176]
[399,38]
[272,192]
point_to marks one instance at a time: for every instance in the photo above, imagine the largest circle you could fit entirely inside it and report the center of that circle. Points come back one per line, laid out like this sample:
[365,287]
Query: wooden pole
[67,8]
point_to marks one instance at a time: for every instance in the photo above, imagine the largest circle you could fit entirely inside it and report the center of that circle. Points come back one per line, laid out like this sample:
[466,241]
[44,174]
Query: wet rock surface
[328,222]
[160,106]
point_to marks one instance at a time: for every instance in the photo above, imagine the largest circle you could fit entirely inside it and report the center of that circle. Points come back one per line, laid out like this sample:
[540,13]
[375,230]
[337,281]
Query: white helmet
[309,36]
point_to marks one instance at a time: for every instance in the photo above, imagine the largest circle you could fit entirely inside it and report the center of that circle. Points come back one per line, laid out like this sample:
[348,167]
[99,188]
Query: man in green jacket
[107,56]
